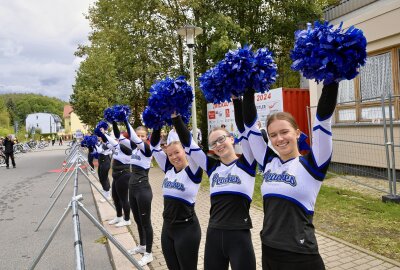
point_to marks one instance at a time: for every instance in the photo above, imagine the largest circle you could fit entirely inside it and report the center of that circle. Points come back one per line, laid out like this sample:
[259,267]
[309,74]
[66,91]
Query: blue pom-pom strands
[117,113]
[168,96]
[89,141]
[109,115]
[101,124]
[151,119]
[239,70]
[327,54]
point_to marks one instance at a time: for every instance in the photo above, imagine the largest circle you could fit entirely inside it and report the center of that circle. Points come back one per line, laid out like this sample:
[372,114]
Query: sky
[38,39]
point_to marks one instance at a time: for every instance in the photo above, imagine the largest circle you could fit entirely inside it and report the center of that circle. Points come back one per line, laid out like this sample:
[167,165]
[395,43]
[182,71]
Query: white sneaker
[137,250]
[115,220]
[123,223]
[106,195]
[147,258]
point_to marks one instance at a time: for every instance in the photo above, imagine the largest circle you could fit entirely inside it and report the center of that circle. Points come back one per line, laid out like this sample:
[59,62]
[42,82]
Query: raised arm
[143,146]
[191,148]
[247,153]
[156,150]
[322,130]
[116,129]
[255,139]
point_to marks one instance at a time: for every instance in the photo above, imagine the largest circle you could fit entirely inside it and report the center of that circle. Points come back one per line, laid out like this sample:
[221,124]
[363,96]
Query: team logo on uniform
[173,185]
[137,157]
[221,180]
[283,177]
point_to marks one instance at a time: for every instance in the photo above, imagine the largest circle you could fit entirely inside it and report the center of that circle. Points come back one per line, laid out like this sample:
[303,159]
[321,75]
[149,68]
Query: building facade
[47,123]
[360,110]
[72,122]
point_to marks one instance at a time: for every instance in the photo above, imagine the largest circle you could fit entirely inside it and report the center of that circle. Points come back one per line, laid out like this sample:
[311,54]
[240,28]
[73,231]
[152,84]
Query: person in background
[53,140]
[60,141]
[9,151]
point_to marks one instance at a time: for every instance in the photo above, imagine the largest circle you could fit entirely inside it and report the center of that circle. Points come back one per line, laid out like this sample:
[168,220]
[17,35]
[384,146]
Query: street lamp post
[189,32]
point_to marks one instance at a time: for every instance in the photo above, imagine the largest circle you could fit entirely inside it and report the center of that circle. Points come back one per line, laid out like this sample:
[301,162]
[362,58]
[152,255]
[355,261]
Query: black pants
[180,244]
[119,192]
[103,169]
[90,160]
[140,197]
[8,156]
[229,246]
[275,259]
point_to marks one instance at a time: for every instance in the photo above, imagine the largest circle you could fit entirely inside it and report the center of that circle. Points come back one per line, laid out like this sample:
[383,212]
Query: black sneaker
[14,167]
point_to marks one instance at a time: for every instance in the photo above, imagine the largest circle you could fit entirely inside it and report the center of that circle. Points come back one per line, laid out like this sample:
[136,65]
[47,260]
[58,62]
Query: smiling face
[141,132]
[176,155]
[221,142]
[283,136]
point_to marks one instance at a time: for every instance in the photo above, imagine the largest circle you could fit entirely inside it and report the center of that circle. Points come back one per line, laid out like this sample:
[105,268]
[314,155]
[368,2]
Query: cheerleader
[291,182]
[120,173]
[140,193]
[104,168]
[181,232]
[228,239]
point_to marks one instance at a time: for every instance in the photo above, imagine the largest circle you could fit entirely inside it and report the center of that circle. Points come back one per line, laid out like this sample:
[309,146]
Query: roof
[344,7]
[67,110]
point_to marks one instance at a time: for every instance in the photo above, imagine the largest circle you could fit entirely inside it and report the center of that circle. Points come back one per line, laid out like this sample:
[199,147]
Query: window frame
[358,105]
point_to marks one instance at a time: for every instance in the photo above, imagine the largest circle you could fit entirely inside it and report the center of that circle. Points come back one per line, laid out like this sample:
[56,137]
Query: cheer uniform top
[179,188]
[231,185]
[140,159]
[290,188]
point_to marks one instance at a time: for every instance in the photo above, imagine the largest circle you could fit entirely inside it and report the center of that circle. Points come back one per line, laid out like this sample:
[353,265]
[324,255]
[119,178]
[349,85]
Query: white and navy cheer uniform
[231,189]
[140,193]
[290,187]
[104,164]
[181,232]
[120,170]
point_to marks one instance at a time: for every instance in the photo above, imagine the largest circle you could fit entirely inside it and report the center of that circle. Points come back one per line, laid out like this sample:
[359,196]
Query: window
[359,100]
[376,77]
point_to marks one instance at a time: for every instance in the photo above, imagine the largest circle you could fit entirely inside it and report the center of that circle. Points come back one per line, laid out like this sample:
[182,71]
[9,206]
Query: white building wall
[44,121]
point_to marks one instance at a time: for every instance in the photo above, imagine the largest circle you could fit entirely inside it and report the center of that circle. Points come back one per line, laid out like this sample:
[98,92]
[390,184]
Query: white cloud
[37,44]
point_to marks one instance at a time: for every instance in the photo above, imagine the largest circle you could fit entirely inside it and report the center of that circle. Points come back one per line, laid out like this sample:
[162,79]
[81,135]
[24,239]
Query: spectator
[53,140]
[60,141]
[9,151]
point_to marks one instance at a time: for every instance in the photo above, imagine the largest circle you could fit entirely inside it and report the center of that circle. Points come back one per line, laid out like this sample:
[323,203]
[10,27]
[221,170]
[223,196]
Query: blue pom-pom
[327,54]
[265,71]
[97,131]
[239,70]
[95,155]
[89,141]
[121,113]
[169,96]
[109,115]
[211,84]
[152,119]
[102,124]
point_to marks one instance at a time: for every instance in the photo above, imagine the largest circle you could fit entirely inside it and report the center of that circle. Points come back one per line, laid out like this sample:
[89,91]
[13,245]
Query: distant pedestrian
[60,141]
[9,151]
[53,140]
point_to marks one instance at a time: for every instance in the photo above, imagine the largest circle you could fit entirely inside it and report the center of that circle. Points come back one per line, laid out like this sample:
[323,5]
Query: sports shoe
[137,250]
[107,195]
[123,223]
[115,220]
[147,258]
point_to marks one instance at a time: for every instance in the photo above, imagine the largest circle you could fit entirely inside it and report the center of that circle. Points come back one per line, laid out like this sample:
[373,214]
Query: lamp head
[189,32]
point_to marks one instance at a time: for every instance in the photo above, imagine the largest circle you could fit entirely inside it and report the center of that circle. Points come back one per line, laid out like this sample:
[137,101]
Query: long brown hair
[282,116]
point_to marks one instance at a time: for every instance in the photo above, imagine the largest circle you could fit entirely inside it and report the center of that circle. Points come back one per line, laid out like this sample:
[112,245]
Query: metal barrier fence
[364,151]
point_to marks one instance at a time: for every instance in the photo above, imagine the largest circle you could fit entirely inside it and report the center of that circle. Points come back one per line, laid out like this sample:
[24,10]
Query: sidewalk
[336,253]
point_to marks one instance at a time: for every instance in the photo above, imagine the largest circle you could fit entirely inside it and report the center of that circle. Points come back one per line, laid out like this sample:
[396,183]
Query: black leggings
[275,259]
[119,192]
[90,160]
[180,244]
[103,169]
[8,156]
[229,246]
[140,198]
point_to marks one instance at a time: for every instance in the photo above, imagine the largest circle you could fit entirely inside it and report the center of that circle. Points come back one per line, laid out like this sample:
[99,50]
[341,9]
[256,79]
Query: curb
[122,235]
[363,250]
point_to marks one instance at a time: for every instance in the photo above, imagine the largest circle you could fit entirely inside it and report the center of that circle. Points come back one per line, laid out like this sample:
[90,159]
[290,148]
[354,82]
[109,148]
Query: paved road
[24,198]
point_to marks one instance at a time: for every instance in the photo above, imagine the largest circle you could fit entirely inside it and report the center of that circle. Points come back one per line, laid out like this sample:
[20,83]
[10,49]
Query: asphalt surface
[24,199]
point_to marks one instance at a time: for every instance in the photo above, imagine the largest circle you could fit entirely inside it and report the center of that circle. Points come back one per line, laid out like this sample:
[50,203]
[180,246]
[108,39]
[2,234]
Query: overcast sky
[38,39]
